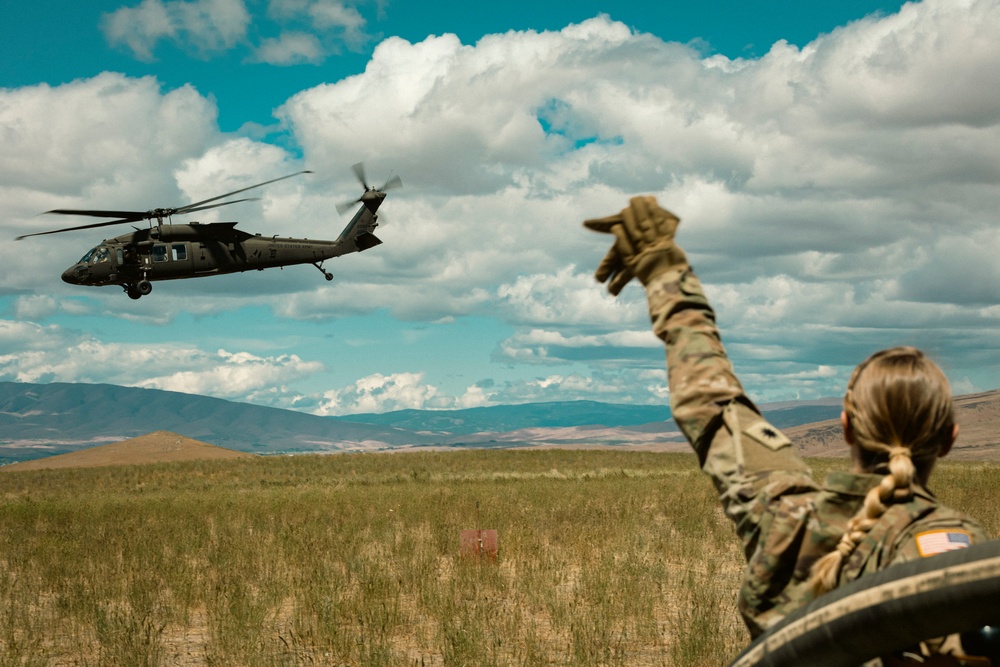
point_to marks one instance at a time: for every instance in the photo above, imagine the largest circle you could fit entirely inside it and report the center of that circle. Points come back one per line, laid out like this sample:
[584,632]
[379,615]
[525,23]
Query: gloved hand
[644,243]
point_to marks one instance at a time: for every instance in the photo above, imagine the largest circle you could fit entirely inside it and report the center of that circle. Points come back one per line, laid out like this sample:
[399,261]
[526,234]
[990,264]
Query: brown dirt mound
[156,447]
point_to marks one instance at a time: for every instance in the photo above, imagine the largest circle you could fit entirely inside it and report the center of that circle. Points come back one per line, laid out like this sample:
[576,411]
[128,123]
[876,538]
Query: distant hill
[978,417]
[46,419]
[157,447]
[40,420]
[503,418]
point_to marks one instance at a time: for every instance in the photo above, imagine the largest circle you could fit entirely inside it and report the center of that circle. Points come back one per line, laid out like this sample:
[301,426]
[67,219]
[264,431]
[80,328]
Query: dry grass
[606,558]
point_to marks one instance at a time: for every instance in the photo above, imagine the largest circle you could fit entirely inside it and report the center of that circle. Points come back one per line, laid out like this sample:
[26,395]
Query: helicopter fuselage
[170,252]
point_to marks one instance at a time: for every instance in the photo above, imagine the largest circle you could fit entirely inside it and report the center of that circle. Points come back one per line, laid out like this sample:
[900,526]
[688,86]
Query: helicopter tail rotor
[359,172]
[370,193]
[345,206]
[394,182]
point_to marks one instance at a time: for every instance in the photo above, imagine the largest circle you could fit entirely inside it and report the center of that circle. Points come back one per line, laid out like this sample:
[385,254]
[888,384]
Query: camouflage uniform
[784,519]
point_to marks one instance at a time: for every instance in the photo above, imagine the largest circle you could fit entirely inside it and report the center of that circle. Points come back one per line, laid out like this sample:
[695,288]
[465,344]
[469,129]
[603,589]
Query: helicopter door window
[120,256]
[180,251]
[101,255]
[159,253]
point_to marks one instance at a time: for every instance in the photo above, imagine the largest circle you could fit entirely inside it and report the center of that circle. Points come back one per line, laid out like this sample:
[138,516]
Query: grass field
[606,558]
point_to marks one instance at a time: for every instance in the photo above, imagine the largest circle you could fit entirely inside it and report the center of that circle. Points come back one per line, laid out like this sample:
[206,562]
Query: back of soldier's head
[900,398]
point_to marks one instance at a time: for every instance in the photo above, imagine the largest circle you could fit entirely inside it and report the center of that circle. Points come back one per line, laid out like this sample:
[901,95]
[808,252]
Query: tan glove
[644,243]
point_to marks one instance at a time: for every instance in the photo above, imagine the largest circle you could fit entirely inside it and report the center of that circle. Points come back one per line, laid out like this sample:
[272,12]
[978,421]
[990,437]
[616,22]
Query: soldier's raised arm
[705,395]
[753,465]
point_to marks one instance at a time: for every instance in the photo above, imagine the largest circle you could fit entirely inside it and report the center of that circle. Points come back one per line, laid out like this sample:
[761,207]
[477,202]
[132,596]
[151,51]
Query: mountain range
[38,420]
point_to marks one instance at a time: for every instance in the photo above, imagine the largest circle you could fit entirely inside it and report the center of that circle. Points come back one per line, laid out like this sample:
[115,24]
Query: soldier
[800,538]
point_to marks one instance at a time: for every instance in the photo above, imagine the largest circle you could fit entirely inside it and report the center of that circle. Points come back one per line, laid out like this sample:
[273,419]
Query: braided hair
[900,418]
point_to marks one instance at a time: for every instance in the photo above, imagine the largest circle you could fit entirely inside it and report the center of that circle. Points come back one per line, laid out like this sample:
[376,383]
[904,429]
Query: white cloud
[332,15]
[203,26]
[228,375]
[98,137]
[54,354]
[290,48]
[36,307]
[565,298]
[399,391]
[292,32]
[322,14]
[235,164]
[753,157]
[548,347]
[622,385]
[380,393]
[834,197]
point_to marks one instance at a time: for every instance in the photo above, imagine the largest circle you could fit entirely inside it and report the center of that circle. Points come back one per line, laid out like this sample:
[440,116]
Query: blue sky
[834,165]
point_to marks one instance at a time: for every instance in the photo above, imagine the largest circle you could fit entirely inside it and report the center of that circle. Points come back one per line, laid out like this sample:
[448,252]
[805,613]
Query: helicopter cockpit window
[86,258]
[159,253]
[98,255]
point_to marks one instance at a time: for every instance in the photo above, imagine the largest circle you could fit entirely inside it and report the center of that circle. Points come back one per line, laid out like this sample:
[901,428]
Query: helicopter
[167,251]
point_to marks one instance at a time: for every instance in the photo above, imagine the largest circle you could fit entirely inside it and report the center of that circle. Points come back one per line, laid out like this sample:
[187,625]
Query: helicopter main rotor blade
[195,205]
[73,229]
[130,215]
[188,209]
[134,216]
[159,213]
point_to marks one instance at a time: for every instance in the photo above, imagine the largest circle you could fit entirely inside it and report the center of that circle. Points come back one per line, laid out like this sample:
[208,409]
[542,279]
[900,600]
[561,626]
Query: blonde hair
[901,416]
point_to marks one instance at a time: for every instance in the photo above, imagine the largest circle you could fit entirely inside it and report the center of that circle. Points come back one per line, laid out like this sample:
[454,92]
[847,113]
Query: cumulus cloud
[232,165]
[290,48]
[835,198]
[540,346]
[291,32]
[205,26]
[229,375]
[622,384]
[566,297]
[324,16]
[402,391]
[40,354]
[99,137]
[380,393]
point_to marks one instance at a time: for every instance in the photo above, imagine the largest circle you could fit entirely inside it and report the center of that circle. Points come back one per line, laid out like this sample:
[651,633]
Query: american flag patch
[939,541]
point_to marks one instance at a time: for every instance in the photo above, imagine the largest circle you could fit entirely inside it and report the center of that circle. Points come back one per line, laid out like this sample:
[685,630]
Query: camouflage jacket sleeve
[752,464]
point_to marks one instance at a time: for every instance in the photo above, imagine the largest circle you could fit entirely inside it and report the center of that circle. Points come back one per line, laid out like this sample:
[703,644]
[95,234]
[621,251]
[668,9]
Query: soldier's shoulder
[940,529]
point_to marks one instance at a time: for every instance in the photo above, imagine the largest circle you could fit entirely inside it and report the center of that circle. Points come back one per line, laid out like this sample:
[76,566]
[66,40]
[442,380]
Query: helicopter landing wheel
[144,287]
[326,274]
[132,292]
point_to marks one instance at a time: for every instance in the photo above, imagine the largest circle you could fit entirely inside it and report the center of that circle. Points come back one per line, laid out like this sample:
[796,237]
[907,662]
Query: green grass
[606,558]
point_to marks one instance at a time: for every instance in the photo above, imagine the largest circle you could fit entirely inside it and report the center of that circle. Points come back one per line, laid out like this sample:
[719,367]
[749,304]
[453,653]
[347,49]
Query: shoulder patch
[933,542]
[767,435]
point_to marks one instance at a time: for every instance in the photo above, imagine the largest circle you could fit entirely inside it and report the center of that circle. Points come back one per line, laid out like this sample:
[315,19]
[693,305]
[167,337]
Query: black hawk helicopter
[167,251]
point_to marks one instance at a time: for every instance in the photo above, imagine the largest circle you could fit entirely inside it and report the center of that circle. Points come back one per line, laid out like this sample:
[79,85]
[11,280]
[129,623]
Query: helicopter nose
[73,274]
